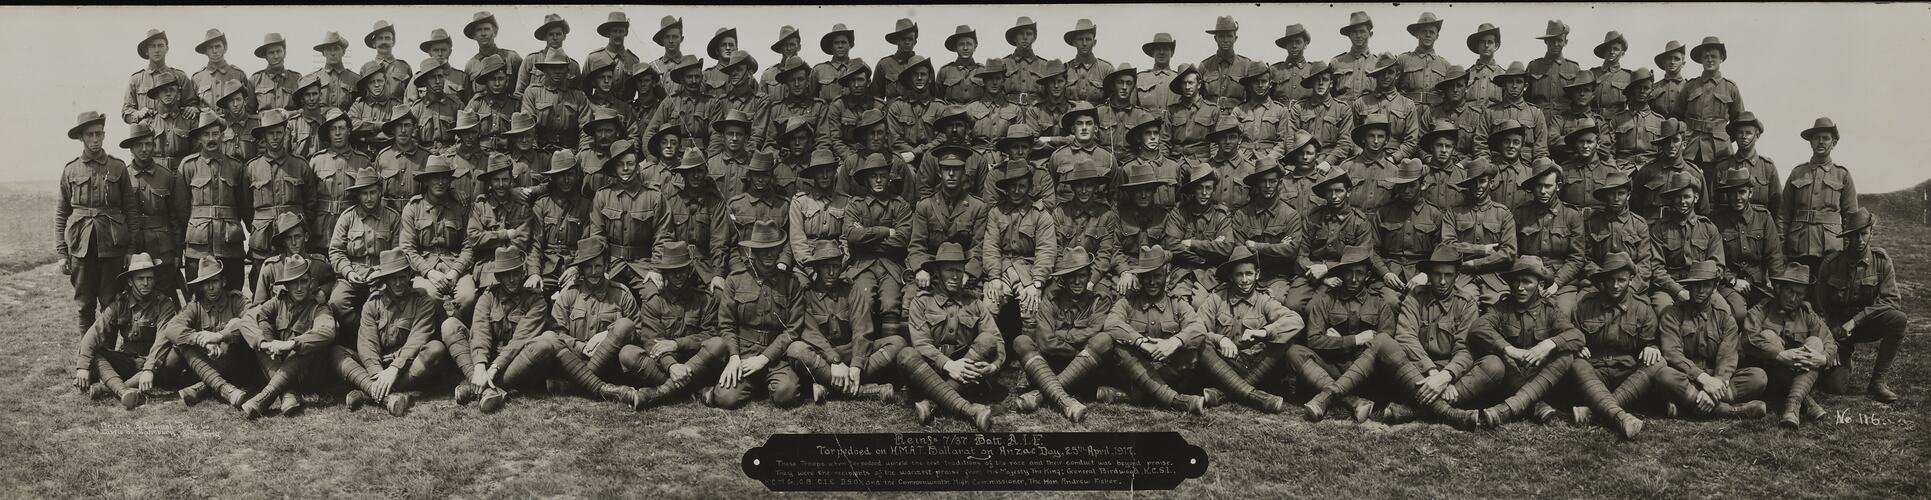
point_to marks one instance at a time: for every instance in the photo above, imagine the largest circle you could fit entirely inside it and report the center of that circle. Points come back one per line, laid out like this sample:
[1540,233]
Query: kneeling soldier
[1065,331]
[395,340]
[751,314]
[1428,350]
[1792,344]
[206,331]
[591,319]
[1247,333]
[1857,291]
[122,338]
[952,330]
[505,336]
[1523,317]
[1701,340]
[838,345]
[288,333]
[1163,331]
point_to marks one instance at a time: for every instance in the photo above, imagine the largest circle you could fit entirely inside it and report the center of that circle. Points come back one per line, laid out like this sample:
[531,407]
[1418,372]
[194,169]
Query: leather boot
[1316,408]
[1527,397]
[130,398]
[204,369]
[193,394]
[352,371]
[1107,394]
[290,405]
[1600,399]
[356,399]
[1794,402]
[398,403]
[1269,360]
[939,393]
[1814,411]
[1411,377]
[492,400]
[579,371]
[1363,408]
[1049,384]
[1136,372]
[1886,354]
[1746,411]
[278,381]
[1224,374]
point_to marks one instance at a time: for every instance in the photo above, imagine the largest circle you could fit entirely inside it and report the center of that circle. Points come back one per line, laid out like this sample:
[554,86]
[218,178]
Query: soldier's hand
[1393,281]
[1705,402]
[1652,356]
[680,372]
[384,381]
[1683,295]
[1227,348]
[1165,347]
[855,380]
[1332,333]
[1420,280]
[752,364]
[81,379]
[956,369]
[67,266]
[481,375]
[1252,334]
[142,381]
[1317,271]
[924,279]
[732,371]
[1331,281]
[594,342]
[205,337]
[1127,281]
[1551,290]
[839,374]
[1742,285]
[1584,353]
[1364,337]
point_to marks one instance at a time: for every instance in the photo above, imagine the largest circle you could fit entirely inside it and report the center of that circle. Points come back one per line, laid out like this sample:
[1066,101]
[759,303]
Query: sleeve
[1670,336]
[96,337]
[727,318]
[320,334]
[1488,330]
[1571,267]
[421,328]
[1562,330]
[1405,333]
[178,328]
[918,323]
[1463,359]
[1887,294]
[406,240]
[338,246]
[1726,353]
[987,247]
[254,325]
[920,250]
[1772,250]
[795,237]
[1193,331]
[480,343]
[61,212]
[529,323]
[808,331]
[1761,343]
[131,99]
[1119,325]
[1283,323]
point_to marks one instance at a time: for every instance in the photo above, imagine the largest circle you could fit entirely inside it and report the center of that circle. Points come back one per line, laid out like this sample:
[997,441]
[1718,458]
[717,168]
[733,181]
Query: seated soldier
[207,333]
[1856,290]
[396,341]
[558,221]
[497,220]
[838,346]
[880,227]
[1197,228]
[677,323]
[1162,331]
[591,319]
[1482,230]
[1247,334]
[1552,230]
[1330,228]
[1428,350]
[288,239]
[1790,342]
[359,237]
[1268,225]
[122,343]
[955,347]
[1752,242]
[1619,340]
[751,313]
[1065,332]
[1017,244]
[1682,237]
[952,215]
[507,344]
[433,231]
[1524,317]
[627,214]
[1342,321]
[1701,341]
[1405,229]
[1141,221]
[1612,228]
[290,334]
[1087,220]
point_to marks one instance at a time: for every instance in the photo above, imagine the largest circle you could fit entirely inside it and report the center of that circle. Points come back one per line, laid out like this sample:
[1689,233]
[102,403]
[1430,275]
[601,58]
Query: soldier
[1265,122]
[1427,351]
[1702,342]
[842,115]
[1683,238]
[1341,323]
[1617,330]
[279,182]
[1155,81]
[169,119]
[1085,73]
[123,343]
[727,166]
[1856,289]
[218,70]
[1247,334]
[1087,219]
[1142,219]
[159,206]
[559,108]
[956,81]
[1576,108]
[1288,73]
[233,115]
[1024,68]
[602,143]
[1752,243]
[836,43]
[205,332]
[818,210]
[689,108]
[1444,162]
[1745,130]
[382,38]
[399,163]
[1820,192]
[591,319]
[614,29]
[437,111]
[552,32]
[483,29]
[1611,79]
[877,232]
[951,330]
[497,220]
[679,323]
[211,197]
[1422,69]
[274,86]
[338,83]
[1788,340]
[1093,134]
[504,337]
[356,243]
[1645,198]
[1406,230]
[905,38]
[1017,243]
[950,216]
[1351,68]
[394,341]
[290,332]
[1612,227]
[1482,230]
[752,309]
[92,218]
[1669,89]
[1549,228]
[1190,118]
[796,101]
[136,105]
[1221,72]
[1535,130]
[1525,318]
[871,135]
[740,91]
[789,41]
[1403,114]
[691,209]
[1163,331]
[909,115]
[1707,105]
[759,200]
[334,167]
[838,345]
[1636,124]
[494,104]
[987,119]
[564,215]
[1584,171]
[438,48]
[1375,161]
[627,214]
[1484,42]
[1329,229]
[1044,113]
[1197,228]
[373,102]
[1325,117]
[599,85]
[1453,105]
[1065,331]
[519,144]
[1551,72]
[670,36]
[432,231]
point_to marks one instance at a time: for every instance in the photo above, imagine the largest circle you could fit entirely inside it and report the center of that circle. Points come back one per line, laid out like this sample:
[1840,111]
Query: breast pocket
[638,226]
[1832,189]
[81,190]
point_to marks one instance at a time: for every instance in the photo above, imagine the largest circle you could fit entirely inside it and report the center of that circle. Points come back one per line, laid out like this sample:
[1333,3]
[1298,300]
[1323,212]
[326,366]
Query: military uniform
[1636,130]
[505,336]
[334,171]
[1431,337]
[1771,330]
[1319,357]
[1329,121]
[432,234]
[398,168]
[559,114]
[356,242]
[1482,90]
[690,216]
[396,333]
[673,329]
[834,327]
[1351,74]
[1554,232]
[1137,320]
[1816,198]
[1580,178]
[1615,331]
[136,98]
[1534,121]
[1700,340]
[1548,75]
[274,88]
[436,114]
[752,314]
[161,208]
[308,323]
[1228,314]
[124,342]
[221,316]
[582,313]
[337,86]
[1706,105]
[1860,290]
[1540,325]
[628,216]
[956,82]
[92,222]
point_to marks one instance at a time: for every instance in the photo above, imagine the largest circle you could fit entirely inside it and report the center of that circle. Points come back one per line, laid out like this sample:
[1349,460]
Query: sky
[1860,64]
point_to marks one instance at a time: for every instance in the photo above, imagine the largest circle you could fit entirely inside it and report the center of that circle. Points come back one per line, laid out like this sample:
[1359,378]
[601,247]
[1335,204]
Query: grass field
[59,445]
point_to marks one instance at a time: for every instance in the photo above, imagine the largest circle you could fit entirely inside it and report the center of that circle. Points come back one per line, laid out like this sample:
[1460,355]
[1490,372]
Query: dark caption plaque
[992,461]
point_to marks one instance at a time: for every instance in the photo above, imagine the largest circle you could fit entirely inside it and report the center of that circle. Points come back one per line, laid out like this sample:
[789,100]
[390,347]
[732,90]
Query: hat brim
[141,49]
[1436,23]
[207,274]
[1470,41]
[74,133]
[603,29]
[1710,46]
[824,42]
[1538,273]
[952,41]
[383,272]
[491,268]
[1787,279]
[1606,43]
[131,270]
[1344,29]
[261,51]
[469,30]
[658,36]
[892,38]
[1814,130]
[202,48]
[710,47]
[787,36]
[1597,193]
[761,244]
[1147,48]
[1068,37]
[1282,41]
[577,260]
[129,142]
[718,126]
[1604,272]
[1013,31]
[1070,270]
[1855,229]
[369,39]
[425,45]
[546,27]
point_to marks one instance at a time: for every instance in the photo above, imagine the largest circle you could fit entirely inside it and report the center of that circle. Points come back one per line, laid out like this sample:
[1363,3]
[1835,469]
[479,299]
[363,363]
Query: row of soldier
[845,202]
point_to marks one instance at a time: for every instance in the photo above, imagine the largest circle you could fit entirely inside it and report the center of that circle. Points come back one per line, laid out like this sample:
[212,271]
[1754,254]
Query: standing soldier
[1551,72]
[670,36]
[290,333]
[136,104]
[877,232]
[305,120]
[1535,128]
[1189,119]
[1247,334]
[591,318]
[169,120]
[1444,163]
[752,312]
[558,107]
[955,80]
[1421,69]
[382,38]
[552,33]
[1428,350]
[836,43]
[334,170]
[1540,343]
[1587,167]
[1752,242]
[837,344]
[988,118]
[787,46]
[1351,68]
[159,214]
[1024,68]
[1067,331]
[1375,160]
[1265,122]
[234,116]
[356,241]
[206,332]
[1085,73]
[905,37]
[1288,73]
[504,341]
[436,111]
[1648,181]
[338,83]
[1403,114]
[1612,81]
[1325,116]
[1856,288]
[909,115]
[1820,192]
[1576,109]
[1702,341]
[1708,104]
[727,166]
[841,115]
[215,46]
[1551,229]
[212,186]
[395,349]
[614,29]
[438,47]
[1637,124]
[1156,81]
[1221,72]
[689,108]
[274,85]
[1341,323]
[1789,341]
[1745,130]
[399,163]
[278,183]
[374,100]
[1669,89]
[121,349]
[483,29]
[1484,42]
